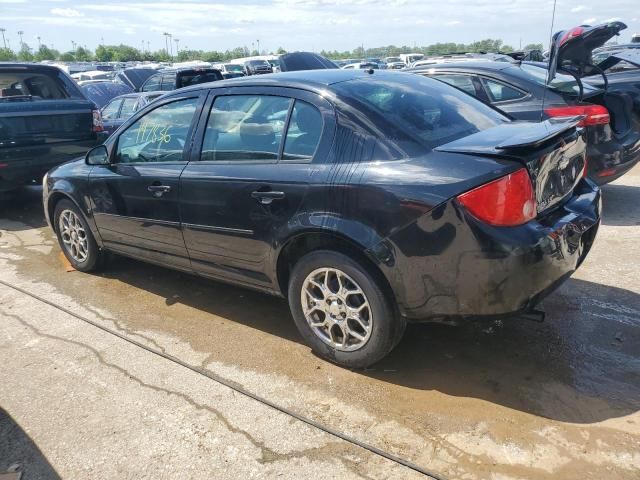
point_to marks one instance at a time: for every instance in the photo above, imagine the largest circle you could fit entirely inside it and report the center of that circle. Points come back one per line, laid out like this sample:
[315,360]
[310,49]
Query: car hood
[291,62]
[571,49]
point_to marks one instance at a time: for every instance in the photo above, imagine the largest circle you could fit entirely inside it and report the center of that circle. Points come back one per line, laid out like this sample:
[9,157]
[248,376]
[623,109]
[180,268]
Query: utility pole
[20,33]
[177,40]
[4,42]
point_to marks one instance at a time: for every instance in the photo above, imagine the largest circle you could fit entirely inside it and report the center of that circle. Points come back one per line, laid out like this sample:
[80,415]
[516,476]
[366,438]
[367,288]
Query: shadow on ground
[18,449]
[23,209]
[620,205]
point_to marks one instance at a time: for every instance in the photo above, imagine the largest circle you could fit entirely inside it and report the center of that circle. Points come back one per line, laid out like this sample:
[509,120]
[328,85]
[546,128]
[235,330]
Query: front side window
[303,134]
[463,82]
[499,92]
[111,110]
[245,127]
[158,136]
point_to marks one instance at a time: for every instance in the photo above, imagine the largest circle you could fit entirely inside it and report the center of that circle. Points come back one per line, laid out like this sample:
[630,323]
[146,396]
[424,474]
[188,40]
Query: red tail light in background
[574,32]
[97,125]
[593,114]
[505,202]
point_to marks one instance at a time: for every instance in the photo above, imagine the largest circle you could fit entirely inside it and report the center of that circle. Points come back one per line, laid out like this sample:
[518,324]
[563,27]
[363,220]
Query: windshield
[562,82]
[230,67]
[393,59]
[418,109]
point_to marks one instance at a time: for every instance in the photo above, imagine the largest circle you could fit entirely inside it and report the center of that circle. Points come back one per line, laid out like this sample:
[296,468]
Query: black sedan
[518,89]
[366,199]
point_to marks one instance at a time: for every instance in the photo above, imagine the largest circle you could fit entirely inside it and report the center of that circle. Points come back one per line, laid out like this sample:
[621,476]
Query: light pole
[39,45]
[2,30]
[20,33]
[177,40]
[73,45]
[166,42]
[171,47]
[258,42]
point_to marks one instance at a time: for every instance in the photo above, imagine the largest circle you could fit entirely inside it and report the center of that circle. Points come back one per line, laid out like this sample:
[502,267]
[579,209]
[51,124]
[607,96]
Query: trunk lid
[571,49]
[552,151]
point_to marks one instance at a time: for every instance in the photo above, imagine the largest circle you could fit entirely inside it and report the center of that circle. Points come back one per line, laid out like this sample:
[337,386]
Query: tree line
[126,53]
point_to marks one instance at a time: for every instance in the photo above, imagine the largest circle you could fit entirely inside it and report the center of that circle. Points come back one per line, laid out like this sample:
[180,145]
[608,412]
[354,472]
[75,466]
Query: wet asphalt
[494,399]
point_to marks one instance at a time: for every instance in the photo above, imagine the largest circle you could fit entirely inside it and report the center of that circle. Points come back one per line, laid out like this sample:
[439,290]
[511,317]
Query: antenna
[551,58]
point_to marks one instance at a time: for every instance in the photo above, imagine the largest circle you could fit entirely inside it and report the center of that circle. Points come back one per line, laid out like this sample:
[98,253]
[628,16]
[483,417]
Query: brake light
[574,32]
[505,202]
[593,114]
[97,125]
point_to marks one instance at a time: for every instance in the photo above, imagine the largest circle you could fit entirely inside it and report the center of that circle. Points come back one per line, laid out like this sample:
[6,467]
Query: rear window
[38,85]
[195,78]
[562,82]
[421,109]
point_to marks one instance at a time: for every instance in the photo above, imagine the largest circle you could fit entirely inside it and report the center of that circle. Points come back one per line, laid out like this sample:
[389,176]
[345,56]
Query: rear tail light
[97,125]
[593,114]
[607,172]
[505,202]
[574,32]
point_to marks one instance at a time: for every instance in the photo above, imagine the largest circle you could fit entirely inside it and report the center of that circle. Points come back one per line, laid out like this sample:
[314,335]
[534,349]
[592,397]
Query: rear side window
[499,92]
[198,77]
[111,110]
[303,134]
[245,127]
[128,107]
[152,84]
[158,136]
[463,82]
[416,111]
[37,85]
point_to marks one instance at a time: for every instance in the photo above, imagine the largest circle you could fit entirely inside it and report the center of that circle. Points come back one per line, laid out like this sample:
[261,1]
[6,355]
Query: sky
[300,24]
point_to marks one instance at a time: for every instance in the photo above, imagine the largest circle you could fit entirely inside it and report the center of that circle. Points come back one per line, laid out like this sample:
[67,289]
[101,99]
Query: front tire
[342,311]
[75,237]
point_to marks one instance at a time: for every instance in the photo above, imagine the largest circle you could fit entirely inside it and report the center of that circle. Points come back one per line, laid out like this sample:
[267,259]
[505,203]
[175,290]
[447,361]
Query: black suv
[257,67]
[365,199]
[168,80]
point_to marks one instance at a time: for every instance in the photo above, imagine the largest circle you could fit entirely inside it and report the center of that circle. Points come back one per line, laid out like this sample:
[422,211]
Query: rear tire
[75,237]
[342,311]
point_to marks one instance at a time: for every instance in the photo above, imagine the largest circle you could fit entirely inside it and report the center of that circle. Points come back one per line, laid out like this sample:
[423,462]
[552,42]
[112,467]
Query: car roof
[466,65]
[304,79]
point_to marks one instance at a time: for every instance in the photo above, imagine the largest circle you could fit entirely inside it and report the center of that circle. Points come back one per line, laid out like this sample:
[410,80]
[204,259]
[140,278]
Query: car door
[135,198]
[248,179]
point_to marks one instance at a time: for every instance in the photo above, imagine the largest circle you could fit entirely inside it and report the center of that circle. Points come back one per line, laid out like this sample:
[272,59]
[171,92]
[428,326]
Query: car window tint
[412,108]
[499,92]
[128,107]
[245,127]
[111,110]
[303,133]
[158,136]
[463,82]
[152,84]
[168,83]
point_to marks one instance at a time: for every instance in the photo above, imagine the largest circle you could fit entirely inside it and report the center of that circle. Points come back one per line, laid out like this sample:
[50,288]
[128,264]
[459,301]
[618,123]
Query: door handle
[158,190]
[265,198]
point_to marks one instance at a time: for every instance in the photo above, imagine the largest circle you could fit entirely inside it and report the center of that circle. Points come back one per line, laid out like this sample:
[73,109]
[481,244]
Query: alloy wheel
[74,236]
[336,309]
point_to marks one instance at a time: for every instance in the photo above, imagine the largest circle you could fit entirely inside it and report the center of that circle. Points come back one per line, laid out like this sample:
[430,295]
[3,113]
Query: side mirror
[97,156]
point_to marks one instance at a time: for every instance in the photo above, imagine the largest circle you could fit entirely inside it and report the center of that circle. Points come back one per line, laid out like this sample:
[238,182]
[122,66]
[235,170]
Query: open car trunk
[552,151]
